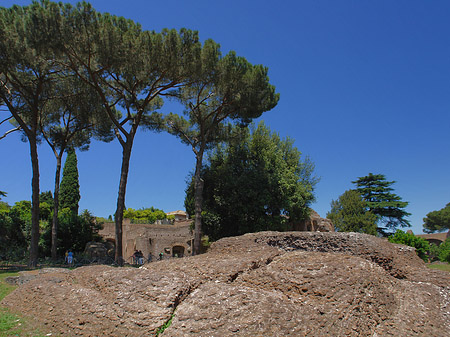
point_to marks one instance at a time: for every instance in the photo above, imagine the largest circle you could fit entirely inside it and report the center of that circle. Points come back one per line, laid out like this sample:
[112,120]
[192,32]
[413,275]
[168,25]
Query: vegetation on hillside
[437,221]
[256,181]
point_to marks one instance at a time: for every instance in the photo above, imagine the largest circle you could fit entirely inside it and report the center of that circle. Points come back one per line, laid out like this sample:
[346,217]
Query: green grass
[165,325]
[5,288]
[444,267]
[12,324]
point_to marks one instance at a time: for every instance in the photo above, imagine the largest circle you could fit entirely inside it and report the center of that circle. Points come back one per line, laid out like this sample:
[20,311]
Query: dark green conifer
[389,207]
[70,188]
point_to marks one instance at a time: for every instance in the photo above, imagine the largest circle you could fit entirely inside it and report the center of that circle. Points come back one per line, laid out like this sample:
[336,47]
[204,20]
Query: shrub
[422,246]
[444,251]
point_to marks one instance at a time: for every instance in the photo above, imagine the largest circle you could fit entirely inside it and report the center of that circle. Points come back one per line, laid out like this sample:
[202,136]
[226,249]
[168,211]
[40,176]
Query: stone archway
[177,251]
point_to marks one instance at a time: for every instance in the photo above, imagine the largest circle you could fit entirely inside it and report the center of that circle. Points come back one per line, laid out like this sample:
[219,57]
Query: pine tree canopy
[437,221]
[376,191]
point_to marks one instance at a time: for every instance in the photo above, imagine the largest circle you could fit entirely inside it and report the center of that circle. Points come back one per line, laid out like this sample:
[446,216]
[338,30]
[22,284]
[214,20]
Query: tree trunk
[126,154]
[56,208]
[198,199]
[34,246]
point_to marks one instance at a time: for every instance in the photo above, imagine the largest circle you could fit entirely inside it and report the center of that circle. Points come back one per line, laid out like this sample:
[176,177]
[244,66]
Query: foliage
[437,221]
[130,69]
[102,220]
[70,188]
[444,251]
[150,215]
[389,207]
[257,181]
[20,215]
[75,231]
[28,77]
[349,214]
[422,246]
[224,90]
[46,197]
[433,252]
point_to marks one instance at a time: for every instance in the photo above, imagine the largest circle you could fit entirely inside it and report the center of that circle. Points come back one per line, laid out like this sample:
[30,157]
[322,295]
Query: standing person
[141,257]
[70,257]
[135,257]
[161,256]
[66,256]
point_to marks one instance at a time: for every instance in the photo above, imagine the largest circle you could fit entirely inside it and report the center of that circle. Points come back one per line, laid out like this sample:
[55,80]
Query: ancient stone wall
[152,239]
[315,223]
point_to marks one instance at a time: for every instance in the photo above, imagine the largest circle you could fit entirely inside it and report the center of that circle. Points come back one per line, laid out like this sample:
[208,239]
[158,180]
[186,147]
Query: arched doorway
[177,251]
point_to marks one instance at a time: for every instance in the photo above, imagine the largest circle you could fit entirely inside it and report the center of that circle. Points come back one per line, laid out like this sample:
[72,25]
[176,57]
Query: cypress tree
[70,188]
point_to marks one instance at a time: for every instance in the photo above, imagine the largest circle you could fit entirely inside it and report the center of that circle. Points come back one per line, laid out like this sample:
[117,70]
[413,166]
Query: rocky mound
[262,284]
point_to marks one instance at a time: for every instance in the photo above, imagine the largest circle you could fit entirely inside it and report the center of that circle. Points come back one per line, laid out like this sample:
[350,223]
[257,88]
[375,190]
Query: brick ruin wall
[152,239]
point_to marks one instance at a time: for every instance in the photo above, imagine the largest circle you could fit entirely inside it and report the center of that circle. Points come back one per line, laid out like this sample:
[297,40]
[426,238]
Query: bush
[422,246]
[444,251]
[433,253]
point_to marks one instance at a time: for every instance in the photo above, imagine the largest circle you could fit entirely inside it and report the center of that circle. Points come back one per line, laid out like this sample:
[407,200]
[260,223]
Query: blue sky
[364,85]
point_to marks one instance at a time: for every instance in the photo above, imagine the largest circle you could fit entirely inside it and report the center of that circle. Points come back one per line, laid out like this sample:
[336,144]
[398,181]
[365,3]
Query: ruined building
[175,237]
[171,238]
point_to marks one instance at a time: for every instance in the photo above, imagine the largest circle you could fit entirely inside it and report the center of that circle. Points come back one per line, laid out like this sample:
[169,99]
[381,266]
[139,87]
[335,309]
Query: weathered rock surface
[262,284]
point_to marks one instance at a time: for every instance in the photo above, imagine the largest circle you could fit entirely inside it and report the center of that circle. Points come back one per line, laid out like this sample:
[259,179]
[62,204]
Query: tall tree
[437,221]
[70,186]
[129,68]
[70,122]
[254,182]
[349,214]
[224,90]
[389,207]
[28,72]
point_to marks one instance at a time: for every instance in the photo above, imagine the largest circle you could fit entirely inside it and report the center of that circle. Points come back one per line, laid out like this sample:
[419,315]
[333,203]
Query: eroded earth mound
[262,284]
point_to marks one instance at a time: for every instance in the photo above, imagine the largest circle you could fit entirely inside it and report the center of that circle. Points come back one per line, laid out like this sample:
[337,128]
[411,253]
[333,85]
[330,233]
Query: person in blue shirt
[70,257]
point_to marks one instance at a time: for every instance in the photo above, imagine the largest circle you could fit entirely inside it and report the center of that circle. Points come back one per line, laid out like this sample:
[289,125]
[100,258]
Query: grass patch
[443,266]
[12,324]
[5,288]
[165,325]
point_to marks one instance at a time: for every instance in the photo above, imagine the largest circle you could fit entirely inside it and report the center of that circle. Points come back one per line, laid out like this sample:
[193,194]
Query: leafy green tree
[75,231]
[433,252]
[28,73]
[224,89]
[70,187]
[255,182]
[128,68]
[70,122]
[437,221]
[149,215]
[444,251]
[349,214]
[38,90]
[21,216]
[389,207]
[46,197]
[46,206]
[12,241]
[422,246]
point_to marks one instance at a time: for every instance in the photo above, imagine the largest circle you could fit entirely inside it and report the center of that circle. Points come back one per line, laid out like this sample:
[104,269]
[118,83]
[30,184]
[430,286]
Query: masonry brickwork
[171,240]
